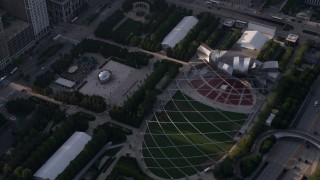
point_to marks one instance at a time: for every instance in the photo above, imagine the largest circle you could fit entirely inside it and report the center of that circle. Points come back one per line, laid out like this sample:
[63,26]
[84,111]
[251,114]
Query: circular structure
[104,75]
[141,6]
[73,69]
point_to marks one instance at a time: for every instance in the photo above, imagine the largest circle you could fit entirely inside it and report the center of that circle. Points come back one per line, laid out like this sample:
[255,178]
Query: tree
[267,144]
[26,174]
[7,169]
[250,163]
[224,169]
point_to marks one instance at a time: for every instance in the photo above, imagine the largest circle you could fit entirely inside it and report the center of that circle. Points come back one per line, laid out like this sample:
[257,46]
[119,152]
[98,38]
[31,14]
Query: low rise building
[63,10]
[63,156]
[292,39]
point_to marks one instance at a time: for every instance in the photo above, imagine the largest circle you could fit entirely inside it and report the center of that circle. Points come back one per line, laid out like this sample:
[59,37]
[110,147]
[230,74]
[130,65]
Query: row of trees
[102,135]
[228,43]
[104,29]
[249,164]
[133,59]
[20,107]
[215,38]
[32,134]
[187,47]
[42,114]
[22,150]
[93,103]
[298,58]
[268,51]
[49,52]
[285,58]
[42,82]
[47,147]
[267,144]
[141,101]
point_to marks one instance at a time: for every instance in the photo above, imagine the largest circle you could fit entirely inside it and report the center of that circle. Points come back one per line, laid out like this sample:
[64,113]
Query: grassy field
[127,167]
[129,26]
[190,140]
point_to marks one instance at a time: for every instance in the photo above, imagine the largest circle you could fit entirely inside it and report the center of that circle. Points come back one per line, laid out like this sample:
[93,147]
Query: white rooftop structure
[225,67]
[204,52]
[179,32]
[224,87]
[65,82]
[73,69]
[253,40]
[229,22]
[270,119]
[270,65]
[292,38]
[262,28]
[241,65]
[63,156]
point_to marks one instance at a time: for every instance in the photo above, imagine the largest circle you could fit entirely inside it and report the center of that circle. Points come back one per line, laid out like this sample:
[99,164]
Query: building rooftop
[292,38]
[65,82]
[180,31]
[63,156]
[15,27]
[229,22]
[60,1]
[253,40]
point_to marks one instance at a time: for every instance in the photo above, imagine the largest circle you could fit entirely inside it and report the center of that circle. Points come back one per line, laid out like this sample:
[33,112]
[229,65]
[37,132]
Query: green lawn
[199,132]
[127,167]
[129,26]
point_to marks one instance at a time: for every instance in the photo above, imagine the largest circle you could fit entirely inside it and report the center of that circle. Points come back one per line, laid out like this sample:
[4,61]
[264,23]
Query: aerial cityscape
[159,89]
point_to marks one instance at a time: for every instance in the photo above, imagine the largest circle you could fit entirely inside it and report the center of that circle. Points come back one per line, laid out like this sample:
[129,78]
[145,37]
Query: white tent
[65,82]
[179,32]
[253,40]
[63,156]
[262,28]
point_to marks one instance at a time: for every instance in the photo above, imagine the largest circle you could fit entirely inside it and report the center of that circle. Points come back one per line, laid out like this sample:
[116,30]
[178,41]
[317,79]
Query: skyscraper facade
[4,51]
[32,11]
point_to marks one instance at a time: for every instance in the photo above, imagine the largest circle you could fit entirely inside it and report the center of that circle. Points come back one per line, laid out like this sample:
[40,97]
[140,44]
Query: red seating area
[238,94]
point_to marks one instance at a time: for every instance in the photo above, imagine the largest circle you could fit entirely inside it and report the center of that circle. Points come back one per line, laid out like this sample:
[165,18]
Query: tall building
[63,10]
[19,37]
[4,51]
[313,2]
[32,11]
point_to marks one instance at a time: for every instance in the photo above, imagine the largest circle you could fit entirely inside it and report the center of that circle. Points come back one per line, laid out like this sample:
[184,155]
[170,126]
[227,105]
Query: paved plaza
[124,81]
